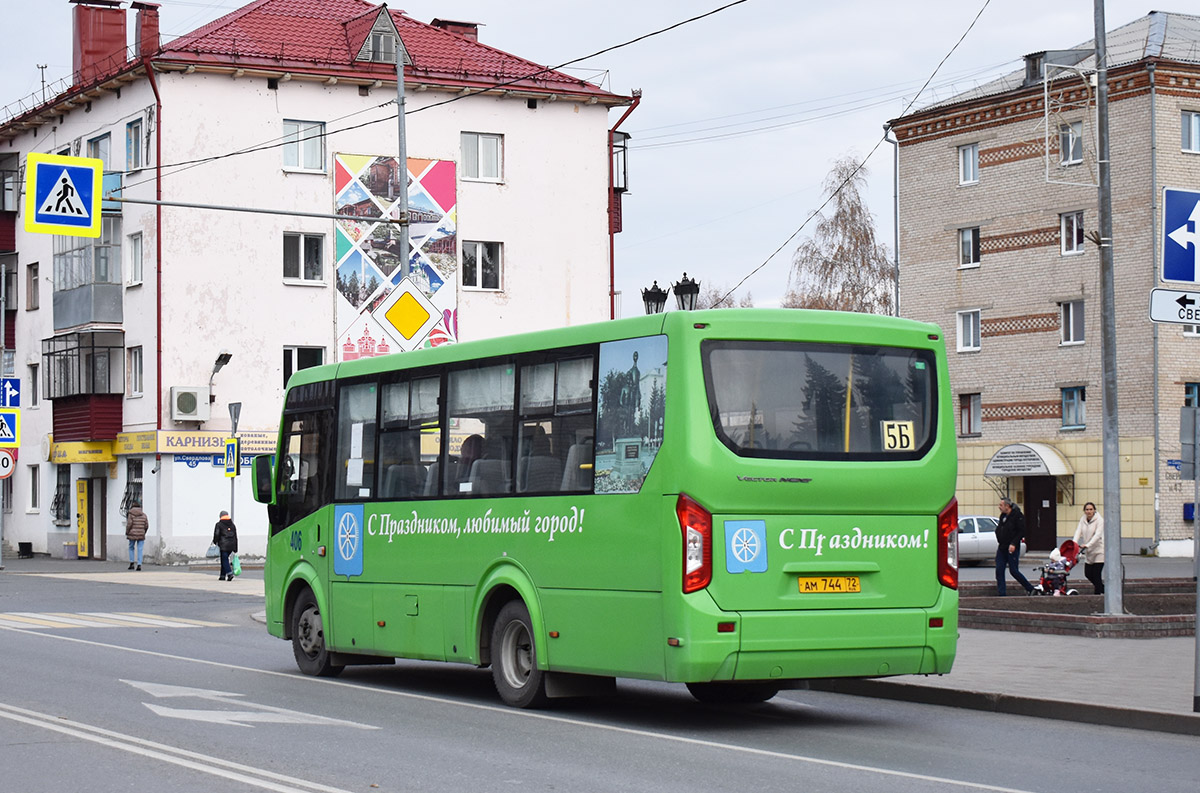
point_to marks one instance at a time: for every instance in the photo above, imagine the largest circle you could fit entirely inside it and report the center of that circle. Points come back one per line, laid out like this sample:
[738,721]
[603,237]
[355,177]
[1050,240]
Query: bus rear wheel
[515,672]
[723,693]
[308,638]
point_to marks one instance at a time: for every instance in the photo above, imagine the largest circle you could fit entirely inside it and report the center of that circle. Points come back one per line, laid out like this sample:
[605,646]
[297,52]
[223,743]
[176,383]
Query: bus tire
[515,672]
[723,693]
[308,638]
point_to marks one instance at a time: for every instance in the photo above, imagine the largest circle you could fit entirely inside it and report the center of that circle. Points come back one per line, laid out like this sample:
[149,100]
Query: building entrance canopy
[1028,459]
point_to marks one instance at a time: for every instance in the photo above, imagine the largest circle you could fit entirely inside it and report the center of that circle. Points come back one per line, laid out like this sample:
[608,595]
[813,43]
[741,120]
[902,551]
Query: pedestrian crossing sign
[10,427]
[62,195]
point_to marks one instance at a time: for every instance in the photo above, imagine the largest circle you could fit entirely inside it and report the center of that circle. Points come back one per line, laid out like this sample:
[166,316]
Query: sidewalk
[1137,683]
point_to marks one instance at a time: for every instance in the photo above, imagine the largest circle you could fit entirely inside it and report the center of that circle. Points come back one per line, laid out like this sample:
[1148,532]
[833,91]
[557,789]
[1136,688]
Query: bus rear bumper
[791,645]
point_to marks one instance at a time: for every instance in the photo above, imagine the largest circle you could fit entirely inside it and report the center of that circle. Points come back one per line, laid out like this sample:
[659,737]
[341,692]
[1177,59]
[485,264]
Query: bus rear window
[821,401]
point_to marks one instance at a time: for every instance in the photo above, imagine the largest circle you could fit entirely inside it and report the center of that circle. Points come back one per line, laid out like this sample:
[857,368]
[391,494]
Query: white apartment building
[131,348]
[997,209]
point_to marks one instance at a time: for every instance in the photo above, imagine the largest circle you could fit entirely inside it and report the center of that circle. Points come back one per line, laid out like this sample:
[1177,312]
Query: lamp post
[654,298]
[686,293]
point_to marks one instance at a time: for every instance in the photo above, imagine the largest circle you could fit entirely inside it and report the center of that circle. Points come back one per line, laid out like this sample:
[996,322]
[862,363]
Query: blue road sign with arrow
[1181,236]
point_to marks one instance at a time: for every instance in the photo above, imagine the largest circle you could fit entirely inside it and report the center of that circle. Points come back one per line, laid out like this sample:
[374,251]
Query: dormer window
[383,48]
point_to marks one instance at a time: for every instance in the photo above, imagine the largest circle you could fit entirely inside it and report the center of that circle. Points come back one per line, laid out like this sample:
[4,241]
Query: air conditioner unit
[189,403]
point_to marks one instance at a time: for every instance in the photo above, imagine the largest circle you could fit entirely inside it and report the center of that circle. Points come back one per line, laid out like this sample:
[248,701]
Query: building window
[133,484]
[481,265]
[302,256]
[968,330]
[1074,402]
[1071,226]
[1191,330]
[1191,395]
[10,363]
[60,508]
[1072,322]
[1190,131]
[297,358]
[10,288]
[80,261]
[33,290]
[31,391]
[133,145]
[136,382]
[7,486]
[968,247]
[1070,143]
[970,409]
[304,145]
[98,148]
[135,258]
[383,48]
[34,487]
[82,363]
[482,156]
[968,163]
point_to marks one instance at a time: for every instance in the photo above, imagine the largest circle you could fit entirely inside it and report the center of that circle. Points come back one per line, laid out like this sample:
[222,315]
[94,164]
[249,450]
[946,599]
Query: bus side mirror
[263,492]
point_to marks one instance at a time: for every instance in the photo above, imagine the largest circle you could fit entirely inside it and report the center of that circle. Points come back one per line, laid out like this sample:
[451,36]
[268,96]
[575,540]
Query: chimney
[146,30]
[99,38]
[468,30]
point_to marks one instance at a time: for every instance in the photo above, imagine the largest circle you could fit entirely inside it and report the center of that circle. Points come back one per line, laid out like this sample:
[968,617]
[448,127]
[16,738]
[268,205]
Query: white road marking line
[513,712]
[216,766]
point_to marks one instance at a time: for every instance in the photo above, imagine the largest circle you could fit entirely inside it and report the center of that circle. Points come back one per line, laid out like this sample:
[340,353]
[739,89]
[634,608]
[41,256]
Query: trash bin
[24,550]
[70,550]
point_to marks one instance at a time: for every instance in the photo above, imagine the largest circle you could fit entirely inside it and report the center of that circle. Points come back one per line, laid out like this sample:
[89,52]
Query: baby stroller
[1054,574]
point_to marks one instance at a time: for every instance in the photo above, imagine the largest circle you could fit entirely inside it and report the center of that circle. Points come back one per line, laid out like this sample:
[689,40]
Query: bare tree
[842,266]
[712,296]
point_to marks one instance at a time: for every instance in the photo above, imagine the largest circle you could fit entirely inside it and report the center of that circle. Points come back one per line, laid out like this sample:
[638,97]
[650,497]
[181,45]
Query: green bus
[739,500]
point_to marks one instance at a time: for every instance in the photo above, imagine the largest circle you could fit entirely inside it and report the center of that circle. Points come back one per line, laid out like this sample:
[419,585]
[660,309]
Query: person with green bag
[225,538]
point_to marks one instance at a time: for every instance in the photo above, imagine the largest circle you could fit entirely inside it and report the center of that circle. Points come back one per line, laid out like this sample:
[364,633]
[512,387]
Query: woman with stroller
[1089,536]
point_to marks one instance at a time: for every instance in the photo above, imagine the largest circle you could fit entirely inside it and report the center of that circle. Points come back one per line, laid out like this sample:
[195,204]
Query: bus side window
[556,452]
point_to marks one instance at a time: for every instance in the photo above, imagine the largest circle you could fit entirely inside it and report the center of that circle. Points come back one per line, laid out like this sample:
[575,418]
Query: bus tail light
[947,527]
[696,524]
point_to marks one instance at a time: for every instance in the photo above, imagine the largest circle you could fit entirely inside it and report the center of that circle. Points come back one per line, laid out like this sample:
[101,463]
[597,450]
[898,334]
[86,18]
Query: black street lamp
[686,292]
[654,298]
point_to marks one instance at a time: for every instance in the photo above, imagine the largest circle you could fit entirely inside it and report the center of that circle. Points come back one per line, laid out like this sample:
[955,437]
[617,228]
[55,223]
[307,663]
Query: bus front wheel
[515,672]
[308,638]
[732,693]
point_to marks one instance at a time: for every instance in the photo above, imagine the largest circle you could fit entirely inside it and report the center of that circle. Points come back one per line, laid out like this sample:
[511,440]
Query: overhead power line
[859,167]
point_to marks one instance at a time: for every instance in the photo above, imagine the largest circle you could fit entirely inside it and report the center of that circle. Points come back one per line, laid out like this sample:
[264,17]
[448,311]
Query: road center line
[216,766]
[513,712]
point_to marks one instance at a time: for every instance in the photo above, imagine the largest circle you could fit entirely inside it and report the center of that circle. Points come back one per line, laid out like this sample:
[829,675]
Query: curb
[1109,716]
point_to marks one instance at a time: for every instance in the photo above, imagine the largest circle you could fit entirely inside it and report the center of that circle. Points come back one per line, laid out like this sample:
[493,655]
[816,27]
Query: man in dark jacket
[225,538]
[1009,534]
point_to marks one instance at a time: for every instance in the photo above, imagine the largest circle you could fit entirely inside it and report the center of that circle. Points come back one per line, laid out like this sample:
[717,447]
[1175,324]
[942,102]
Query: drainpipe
[158,248]
[1154,283]
[612,244]
[887,128]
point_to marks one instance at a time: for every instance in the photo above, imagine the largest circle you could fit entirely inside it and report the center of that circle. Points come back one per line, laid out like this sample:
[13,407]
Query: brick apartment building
[998,203]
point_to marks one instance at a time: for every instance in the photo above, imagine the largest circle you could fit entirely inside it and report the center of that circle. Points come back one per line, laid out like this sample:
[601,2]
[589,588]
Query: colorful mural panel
[391,300]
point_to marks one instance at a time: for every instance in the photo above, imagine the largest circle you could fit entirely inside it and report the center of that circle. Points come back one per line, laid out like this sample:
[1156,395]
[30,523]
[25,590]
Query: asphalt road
[181,689]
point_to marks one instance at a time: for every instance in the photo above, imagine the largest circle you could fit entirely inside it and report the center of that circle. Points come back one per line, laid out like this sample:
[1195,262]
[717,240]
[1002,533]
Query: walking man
[1009,534]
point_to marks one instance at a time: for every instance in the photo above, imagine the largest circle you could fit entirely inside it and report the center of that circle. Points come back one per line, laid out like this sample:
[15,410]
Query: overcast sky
[742,112]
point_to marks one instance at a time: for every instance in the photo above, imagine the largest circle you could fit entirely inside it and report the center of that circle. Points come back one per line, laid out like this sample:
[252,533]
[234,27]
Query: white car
[977,538]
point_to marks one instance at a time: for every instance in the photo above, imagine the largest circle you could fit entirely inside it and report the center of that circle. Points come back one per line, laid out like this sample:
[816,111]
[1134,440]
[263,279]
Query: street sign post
[62,195]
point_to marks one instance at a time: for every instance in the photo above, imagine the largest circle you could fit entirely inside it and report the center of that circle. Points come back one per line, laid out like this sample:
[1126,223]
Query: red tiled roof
[323,36]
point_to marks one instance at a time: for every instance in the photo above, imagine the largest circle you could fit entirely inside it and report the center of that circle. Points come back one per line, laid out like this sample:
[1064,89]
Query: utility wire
[859,167]
[279,142]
